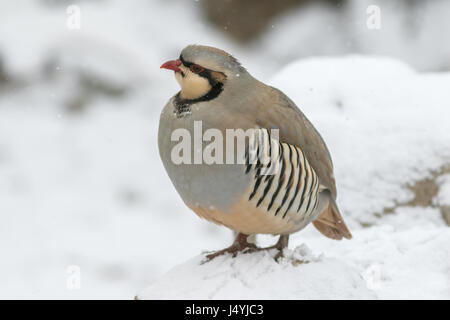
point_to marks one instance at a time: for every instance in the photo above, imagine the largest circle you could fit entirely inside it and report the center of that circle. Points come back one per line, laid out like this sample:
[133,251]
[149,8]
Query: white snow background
[81,182]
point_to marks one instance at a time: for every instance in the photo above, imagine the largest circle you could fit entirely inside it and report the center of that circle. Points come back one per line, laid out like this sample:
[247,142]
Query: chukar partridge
[219,94]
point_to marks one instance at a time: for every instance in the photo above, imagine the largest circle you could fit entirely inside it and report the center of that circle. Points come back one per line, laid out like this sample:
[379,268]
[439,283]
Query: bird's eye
[195,68]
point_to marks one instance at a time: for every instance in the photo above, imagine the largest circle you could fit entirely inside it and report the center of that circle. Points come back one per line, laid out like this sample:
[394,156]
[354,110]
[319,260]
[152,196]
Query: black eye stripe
[190,64]
[185,63]
[205,73]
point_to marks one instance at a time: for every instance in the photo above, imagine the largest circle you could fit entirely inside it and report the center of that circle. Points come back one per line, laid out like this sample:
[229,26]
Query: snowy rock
[300,275]
[443,197]
[379,263]
[444,193]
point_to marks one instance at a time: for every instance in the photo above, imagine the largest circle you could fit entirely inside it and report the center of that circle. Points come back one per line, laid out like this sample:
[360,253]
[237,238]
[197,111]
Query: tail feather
[330,222]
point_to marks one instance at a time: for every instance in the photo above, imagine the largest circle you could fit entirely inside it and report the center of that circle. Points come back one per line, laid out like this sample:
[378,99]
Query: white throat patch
[192,85]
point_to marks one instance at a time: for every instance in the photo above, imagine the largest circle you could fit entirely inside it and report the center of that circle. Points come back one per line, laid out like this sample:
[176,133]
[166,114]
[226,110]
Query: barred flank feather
[287,185]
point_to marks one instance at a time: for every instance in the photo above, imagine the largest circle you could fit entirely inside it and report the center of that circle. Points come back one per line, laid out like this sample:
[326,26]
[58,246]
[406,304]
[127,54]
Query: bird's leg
[280,245]
[240,244]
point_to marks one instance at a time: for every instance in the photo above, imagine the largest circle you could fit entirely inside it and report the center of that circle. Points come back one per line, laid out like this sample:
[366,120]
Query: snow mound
[300,275]
[381,262]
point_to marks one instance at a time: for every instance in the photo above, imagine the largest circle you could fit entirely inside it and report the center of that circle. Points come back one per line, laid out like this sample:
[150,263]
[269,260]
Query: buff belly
[248,220]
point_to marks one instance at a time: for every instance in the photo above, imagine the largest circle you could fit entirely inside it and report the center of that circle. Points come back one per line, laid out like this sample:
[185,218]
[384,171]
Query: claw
[242,245]
[239,245]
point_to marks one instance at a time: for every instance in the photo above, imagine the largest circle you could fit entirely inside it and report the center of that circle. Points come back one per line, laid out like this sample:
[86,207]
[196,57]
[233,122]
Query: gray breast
[205,185]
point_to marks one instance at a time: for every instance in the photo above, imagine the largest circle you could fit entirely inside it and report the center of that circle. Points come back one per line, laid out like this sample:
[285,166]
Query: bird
[218,92]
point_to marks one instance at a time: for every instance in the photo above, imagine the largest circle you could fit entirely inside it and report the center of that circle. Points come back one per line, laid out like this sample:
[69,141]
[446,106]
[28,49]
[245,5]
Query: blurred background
[82,189]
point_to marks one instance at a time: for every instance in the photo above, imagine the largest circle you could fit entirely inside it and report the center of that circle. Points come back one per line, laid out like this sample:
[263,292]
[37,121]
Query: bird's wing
[278,111]
[296,129]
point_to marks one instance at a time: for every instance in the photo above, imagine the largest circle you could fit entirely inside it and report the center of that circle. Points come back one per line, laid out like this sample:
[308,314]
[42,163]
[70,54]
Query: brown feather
[331,224]
[297,130]
[218,76]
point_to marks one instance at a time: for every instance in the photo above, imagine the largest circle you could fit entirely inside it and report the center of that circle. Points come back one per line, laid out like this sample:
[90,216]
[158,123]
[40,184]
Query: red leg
[239,245]
[242,245]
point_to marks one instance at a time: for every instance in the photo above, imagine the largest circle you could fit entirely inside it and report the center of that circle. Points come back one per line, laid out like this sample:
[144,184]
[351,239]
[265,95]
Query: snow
[386,126]
[86,187]
[258,276]
[408,31]
[379,263]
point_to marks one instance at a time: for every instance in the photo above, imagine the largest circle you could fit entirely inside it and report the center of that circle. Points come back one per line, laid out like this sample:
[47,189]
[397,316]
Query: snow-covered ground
[387,261]
[81,182]
[387,127]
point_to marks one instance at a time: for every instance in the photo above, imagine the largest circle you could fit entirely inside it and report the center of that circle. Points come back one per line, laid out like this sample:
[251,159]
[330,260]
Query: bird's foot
[242,245]
[280,246]
[239,245]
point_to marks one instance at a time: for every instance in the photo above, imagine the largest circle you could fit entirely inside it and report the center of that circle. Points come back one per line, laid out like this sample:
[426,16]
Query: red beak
[172,65]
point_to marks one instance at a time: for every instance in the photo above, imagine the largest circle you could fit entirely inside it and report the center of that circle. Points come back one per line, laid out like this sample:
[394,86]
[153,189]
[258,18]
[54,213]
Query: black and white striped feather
[283,182]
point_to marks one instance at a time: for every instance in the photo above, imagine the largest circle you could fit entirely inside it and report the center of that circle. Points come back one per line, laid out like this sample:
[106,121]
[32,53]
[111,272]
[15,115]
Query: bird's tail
[330,222]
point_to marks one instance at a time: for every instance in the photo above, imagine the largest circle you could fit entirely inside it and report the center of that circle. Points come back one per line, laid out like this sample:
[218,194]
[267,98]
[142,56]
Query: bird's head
[202,71]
